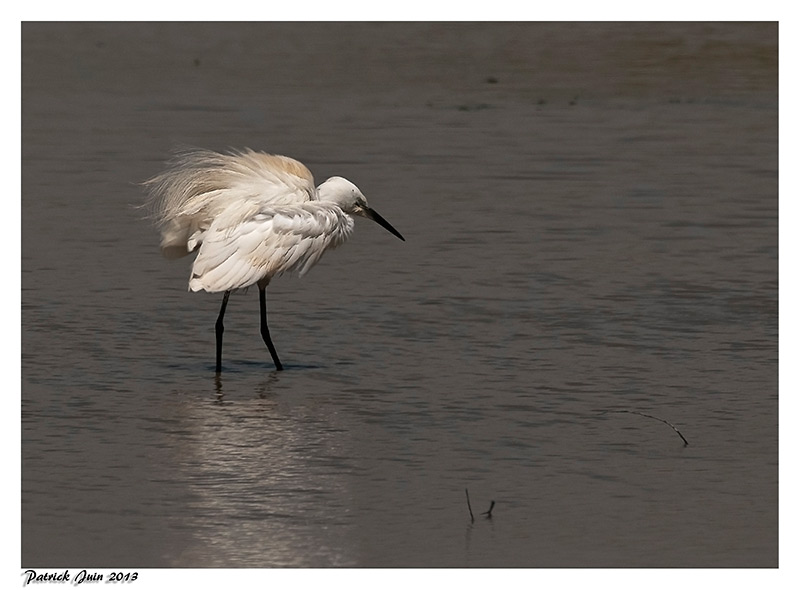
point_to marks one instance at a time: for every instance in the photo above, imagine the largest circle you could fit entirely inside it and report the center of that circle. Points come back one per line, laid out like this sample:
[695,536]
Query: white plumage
[250,216]
[236,253]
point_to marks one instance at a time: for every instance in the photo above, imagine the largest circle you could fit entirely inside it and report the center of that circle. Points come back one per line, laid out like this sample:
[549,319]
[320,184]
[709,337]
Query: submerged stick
[471,517]
[683,438]
[488,513]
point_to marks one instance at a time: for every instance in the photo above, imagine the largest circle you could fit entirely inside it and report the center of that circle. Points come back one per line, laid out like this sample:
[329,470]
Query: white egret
[250,216]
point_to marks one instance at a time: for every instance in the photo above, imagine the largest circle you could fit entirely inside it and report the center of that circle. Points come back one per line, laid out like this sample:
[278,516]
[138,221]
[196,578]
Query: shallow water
[591,223]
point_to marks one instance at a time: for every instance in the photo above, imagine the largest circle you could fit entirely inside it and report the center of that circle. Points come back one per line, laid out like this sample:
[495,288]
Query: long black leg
[221,329]
[262,297]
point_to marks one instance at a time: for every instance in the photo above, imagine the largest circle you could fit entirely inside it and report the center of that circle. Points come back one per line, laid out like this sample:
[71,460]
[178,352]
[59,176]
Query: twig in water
[471,517]
[683,438]
[488,513]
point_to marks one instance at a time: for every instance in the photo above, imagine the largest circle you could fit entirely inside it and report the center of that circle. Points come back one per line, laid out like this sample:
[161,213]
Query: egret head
[348,197]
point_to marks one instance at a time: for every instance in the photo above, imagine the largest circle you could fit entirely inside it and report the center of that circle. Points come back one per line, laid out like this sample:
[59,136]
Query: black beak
[370,213]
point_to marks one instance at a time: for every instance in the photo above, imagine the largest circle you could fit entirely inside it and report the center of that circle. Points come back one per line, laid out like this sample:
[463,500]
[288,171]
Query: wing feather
[237,253]
[200,185]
